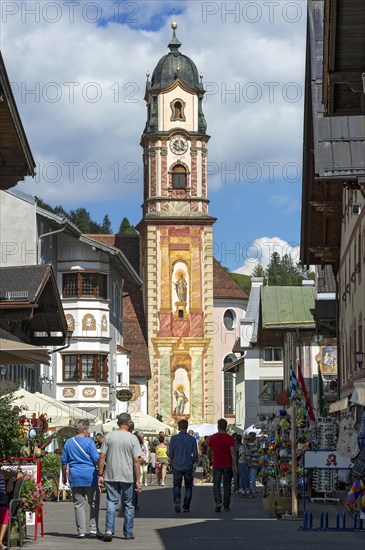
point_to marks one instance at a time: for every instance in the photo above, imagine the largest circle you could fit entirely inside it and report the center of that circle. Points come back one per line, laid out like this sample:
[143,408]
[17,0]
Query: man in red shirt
[222,452]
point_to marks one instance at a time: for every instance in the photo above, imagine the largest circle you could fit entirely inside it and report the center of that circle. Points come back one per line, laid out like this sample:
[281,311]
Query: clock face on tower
[179,145]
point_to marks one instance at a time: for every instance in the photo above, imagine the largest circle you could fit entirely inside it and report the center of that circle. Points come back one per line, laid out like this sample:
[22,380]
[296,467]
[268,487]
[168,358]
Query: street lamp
[3,370]
[359,357]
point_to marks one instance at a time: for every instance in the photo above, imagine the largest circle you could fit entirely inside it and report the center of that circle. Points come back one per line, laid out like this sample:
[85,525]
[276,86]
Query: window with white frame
[84,284]
[273,355]
[228,382]
[77,367]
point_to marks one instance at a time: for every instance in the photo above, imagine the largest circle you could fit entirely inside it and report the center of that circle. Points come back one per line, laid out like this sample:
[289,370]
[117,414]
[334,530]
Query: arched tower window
[179,177]
[177,110]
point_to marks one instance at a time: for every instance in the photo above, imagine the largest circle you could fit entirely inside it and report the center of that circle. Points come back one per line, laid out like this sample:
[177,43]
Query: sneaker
[242,491]
[81,536]
[93,533]
[226,508]
[146,484]
[186,509]
[129,537]
[108,537]
[218,508]
[177,506]
[162,484]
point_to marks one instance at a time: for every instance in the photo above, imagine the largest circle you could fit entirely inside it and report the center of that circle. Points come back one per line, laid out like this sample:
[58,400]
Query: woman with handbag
[82,456]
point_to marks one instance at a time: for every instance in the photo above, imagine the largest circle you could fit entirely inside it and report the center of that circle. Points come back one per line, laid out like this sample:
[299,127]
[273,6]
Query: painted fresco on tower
[180,284]
[181,391]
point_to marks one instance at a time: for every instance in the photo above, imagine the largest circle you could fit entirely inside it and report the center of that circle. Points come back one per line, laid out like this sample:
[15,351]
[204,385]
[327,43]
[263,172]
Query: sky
[78,74]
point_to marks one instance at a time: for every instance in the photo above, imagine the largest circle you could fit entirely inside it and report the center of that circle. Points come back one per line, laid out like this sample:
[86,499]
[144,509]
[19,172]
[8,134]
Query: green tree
[82,219]
[259,271]
[106,226]
[126,228]
[273,271]
[10,429]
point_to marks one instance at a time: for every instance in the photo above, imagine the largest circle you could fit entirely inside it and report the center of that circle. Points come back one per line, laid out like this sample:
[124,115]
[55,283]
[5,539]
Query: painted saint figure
[181,287]
[181,399]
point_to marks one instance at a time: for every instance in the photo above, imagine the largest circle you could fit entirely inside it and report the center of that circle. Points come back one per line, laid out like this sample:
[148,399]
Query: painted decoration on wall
[329,360]
[89,392]
[135,389]
[180,284]
[70,321]
[181,392]
[104,324]
[88,322]
[68,392]
[104,393]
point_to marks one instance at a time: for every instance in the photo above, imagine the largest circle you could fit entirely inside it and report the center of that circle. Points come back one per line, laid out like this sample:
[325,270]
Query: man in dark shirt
[183,453]
[222,452]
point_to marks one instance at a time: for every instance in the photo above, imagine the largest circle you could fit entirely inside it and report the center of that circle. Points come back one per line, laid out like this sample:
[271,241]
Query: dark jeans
[227,474]
[188,477]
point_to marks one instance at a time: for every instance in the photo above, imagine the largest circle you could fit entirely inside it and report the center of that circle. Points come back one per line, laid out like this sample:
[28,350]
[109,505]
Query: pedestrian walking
[120,455]
[237,443]
[253,457]
[162,458]
[152,464]
[183,453]
[223,455]
[243,467]
[81,455]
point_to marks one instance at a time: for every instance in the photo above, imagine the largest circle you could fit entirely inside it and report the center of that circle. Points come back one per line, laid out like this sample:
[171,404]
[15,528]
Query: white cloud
[260,251]
[258,56]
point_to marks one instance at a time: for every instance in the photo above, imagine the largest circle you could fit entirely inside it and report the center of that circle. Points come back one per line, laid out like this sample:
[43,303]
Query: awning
[339,405]
[143,423]
[358,395]
[13,352]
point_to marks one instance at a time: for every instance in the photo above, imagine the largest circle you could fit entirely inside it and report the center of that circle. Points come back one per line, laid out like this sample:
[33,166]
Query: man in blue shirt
[183,453]
[81,455]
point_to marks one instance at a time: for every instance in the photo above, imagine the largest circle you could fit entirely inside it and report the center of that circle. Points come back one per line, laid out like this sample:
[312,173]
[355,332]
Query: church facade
[176,243]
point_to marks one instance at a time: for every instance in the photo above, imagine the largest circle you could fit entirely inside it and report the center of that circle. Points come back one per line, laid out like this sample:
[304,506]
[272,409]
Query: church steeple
[174,42]
[176,240]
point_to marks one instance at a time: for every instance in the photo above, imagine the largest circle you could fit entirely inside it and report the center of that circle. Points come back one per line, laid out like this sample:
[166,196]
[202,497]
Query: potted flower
[32,496]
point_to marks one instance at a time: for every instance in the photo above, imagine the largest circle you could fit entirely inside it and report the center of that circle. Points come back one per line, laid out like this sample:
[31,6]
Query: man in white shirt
[121,451]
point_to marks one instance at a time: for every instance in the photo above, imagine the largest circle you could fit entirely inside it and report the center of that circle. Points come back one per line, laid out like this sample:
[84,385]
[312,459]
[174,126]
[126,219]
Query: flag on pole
[321,406]
[295,391]
[309,408]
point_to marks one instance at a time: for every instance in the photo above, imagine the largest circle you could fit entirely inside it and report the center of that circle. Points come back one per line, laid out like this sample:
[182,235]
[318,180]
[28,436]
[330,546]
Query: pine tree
[273,270]
[258,271]
[106,226]
[81,218]
[126,228]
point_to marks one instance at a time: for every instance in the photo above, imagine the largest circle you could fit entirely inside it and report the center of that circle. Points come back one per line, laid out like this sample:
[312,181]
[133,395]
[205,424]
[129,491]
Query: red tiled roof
[224,286]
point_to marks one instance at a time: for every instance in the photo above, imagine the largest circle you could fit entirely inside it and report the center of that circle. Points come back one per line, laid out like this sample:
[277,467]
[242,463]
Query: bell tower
[176,244]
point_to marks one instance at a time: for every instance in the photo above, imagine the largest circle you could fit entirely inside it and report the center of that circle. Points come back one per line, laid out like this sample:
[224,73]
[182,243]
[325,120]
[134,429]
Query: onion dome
[175,65]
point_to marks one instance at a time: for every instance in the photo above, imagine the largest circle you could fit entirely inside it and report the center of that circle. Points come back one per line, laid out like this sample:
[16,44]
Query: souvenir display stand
[276,461]
[324,481]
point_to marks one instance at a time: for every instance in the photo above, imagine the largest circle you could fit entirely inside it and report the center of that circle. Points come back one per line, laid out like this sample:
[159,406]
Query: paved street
[158,527]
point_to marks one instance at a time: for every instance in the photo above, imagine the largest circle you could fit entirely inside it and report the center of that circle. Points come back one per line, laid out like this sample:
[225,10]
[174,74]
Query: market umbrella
[15,352]
[252,429]
[203,429]
[58,413]
[143,423]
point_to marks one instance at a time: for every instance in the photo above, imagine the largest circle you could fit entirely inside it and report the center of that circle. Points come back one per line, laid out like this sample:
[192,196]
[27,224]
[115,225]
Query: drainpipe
[40,237]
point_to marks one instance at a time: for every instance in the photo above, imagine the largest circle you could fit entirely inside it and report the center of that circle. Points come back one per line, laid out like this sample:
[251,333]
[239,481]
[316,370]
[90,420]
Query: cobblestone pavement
[159,527]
